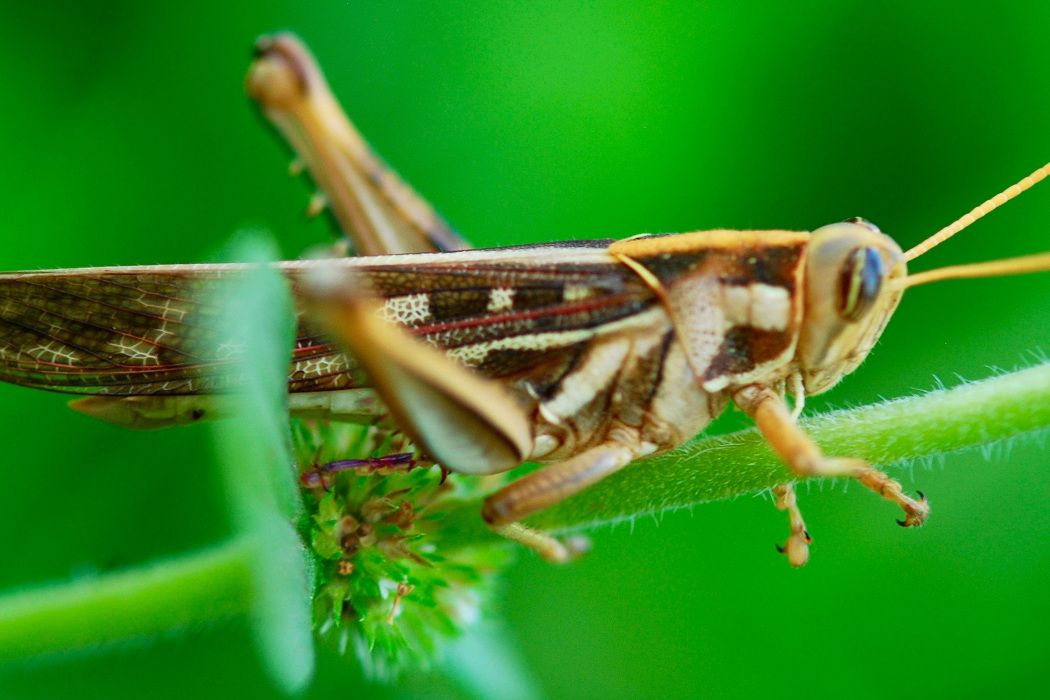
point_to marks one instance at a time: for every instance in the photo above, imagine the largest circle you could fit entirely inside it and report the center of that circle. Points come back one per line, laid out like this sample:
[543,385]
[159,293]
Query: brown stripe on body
[737,257]
[513,361]
[546,383]
[542,370]
[768,257]
[777,266]
[734,297]
[609,384]
[638,386]
[745,348]
[580,409]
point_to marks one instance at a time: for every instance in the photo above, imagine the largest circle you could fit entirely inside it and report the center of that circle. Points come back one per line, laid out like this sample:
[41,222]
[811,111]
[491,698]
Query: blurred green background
[125,138]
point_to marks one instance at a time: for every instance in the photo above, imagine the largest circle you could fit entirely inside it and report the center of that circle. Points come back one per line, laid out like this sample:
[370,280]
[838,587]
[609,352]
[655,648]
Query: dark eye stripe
[859,283]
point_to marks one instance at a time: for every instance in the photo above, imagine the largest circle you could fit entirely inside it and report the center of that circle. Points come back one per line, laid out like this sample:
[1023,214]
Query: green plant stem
[935,423]
[223,582]
[136,603]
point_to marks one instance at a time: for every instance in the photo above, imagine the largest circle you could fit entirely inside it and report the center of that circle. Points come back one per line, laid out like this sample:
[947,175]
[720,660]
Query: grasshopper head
[848,299]
[855,277]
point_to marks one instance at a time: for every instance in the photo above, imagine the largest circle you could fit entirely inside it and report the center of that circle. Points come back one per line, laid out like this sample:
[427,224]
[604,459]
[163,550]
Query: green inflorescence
[394,578]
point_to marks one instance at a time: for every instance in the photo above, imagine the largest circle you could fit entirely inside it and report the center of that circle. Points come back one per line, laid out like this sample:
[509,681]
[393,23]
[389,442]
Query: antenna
[995,268]
[976,213]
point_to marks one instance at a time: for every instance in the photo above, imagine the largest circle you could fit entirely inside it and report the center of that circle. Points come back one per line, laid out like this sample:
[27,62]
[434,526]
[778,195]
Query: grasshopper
[582,356]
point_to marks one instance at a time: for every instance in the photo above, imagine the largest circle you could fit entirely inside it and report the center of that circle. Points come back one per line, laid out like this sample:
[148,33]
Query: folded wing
[151,330]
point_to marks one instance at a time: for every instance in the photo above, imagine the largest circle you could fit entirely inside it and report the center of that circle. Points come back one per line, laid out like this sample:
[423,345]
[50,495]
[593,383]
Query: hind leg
[504,509]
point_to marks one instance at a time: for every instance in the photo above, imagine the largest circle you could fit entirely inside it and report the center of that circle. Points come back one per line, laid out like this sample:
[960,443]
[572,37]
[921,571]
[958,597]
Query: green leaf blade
[259,467]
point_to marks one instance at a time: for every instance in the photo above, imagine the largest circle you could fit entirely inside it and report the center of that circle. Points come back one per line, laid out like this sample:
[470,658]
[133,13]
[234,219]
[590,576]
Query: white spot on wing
[231,348]
[501,299]
[407,310]
[135,351]
[54,352]
[576,292]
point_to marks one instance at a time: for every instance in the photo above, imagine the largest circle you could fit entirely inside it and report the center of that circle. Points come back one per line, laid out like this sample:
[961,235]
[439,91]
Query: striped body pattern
[584,355]
[581,340]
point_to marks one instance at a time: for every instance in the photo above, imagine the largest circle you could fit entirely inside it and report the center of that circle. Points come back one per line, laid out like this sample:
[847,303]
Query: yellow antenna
[975,214]
[995,268]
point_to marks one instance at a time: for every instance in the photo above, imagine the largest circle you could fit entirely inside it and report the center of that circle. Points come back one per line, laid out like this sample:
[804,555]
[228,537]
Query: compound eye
[859,283]
[865,223]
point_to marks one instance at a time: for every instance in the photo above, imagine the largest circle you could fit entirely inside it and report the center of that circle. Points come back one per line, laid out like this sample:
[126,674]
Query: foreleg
[798,450]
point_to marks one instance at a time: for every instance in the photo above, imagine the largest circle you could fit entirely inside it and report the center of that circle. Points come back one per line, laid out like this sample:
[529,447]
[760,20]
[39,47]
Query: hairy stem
[224,581]
[939,422]
[136,603]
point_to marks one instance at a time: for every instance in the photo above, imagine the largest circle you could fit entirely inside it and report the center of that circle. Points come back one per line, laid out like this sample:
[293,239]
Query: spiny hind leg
[797,547]
[532,493]
[799,451]
[377,210]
